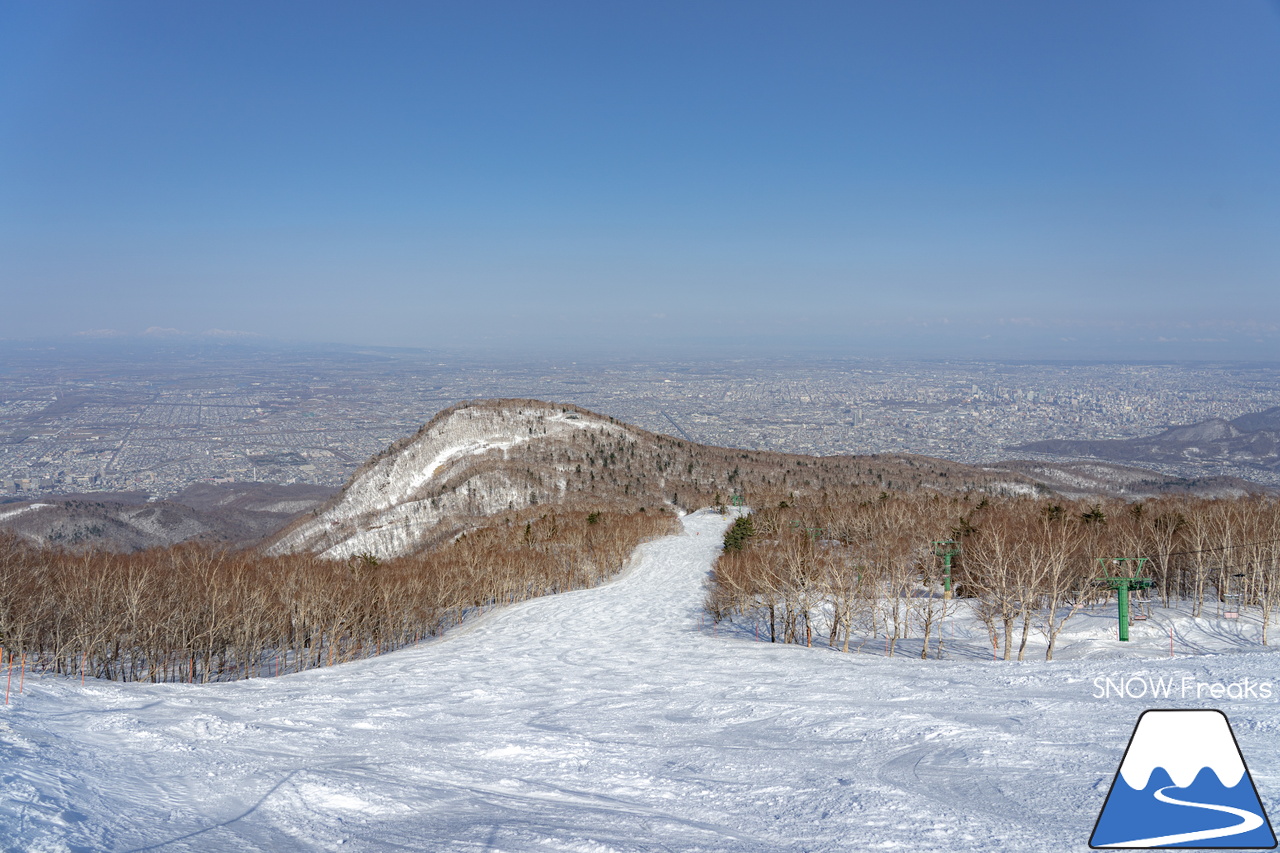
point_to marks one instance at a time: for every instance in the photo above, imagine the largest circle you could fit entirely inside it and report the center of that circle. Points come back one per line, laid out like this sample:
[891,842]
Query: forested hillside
[839,566]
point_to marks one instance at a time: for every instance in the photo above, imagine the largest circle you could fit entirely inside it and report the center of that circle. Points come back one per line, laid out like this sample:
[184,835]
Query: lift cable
[1222,548]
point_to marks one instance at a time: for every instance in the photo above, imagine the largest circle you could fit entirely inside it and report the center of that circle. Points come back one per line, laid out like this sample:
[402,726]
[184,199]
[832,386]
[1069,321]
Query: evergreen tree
[738,533]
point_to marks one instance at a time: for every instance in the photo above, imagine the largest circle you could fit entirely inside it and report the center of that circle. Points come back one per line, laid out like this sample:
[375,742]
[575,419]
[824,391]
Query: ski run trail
[609,719]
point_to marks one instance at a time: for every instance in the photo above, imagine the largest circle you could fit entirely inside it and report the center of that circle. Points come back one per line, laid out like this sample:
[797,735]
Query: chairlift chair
[1141,605]
[1232,600]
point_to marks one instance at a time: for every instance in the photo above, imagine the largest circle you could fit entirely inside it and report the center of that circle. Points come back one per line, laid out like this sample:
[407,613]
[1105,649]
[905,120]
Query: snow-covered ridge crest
[489,458]
[453,467]
[20,510]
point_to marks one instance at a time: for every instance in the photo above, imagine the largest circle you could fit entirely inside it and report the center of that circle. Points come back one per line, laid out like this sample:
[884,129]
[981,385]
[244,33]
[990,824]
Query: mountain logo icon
[1183,783]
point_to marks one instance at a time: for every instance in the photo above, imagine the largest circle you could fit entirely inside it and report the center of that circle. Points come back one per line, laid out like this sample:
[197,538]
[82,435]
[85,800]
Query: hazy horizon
[820,357]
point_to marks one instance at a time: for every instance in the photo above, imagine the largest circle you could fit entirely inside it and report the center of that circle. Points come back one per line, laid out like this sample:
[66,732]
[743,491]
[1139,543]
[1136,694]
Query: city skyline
[245,414]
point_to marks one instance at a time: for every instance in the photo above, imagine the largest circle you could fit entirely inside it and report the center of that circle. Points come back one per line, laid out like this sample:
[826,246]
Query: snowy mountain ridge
[453,467]
[478,459]
[235,514]
[1216,446]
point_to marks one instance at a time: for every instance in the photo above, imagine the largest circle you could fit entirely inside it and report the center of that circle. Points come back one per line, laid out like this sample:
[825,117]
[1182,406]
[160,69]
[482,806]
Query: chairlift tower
[1124,580]
[737,500]
[946,549]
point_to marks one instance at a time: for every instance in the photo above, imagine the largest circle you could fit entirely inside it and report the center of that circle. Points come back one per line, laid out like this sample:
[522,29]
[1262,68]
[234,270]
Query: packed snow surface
[611,719]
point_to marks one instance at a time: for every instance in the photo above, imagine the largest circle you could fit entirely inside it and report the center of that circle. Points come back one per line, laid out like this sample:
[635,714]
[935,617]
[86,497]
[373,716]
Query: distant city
[110,420]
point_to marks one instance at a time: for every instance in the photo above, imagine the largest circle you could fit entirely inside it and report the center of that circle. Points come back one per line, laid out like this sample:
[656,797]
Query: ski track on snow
[594,721]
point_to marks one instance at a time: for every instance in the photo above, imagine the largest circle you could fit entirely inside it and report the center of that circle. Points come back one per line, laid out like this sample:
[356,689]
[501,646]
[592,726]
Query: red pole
[9,680]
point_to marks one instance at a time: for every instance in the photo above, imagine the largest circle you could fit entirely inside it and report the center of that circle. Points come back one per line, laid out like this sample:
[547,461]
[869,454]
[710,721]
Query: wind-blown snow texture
[600,720]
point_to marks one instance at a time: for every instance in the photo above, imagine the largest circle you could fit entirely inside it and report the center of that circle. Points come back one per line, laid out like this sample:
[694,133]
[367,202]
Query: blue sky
[1086,179]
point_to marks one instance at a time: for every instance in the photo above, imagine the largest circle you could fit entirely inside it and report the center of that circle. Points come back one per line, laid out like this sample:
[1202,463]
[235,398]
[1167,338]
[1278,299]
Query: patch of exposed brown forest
[842,566]
[195,613]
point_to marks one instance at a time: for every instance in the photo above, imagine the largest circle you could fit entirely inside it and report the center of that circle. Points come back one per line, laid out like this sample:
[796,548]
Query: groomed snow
[603,720]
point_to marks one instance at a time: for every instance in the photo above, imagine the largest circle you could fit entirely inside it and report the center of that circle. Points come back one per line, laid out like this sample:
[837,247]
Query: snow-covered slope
[452,468]
[610,720]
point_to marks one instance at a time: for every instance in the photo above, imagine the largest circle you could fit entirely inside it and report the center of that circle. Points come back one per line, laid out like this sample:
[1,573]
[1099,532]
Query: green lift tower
[1121,574]
[947,549]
